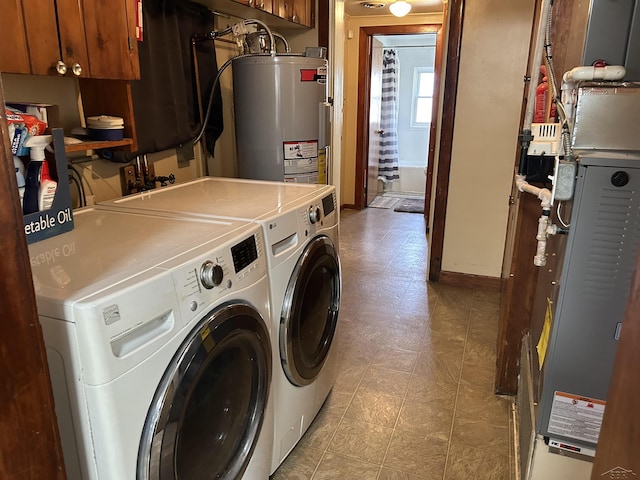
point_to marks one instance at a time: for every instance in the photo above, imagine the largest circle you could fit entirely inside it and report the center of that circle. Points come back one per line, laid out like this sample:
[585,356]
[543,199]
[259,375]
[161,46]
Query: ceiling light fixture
[400,8]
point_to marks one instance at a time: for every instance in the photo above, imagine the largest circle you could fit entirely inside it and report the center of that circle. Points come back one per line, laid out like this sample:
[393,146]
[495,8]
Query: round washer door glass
[208,410]
[310,311]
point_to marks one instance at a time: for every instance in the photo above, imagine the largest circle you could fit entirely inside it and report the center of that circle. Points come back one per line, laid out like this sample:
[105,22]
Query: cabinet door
[13,50]
[108,33]
[296,11]
[30,37]
[72,37]
[264,5]
[93,38]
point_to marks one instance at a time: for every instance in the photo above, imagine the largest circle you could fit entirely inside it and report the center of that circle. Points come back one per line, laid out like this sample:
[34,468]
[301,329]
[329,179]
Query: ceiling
[356,8]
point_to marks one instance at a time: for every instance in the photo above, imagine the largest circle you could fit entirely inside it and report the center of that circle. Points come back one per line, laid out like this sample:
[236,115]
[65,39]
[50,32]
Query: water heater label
[298,150]
[576,417]
[301,161]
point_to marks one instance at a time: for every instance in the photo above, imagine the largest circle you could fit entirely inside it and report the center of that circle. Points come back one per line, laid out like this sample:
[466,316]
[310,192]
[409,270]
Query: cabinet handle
[76,69]
[61,67]
[261,6]
[294,18]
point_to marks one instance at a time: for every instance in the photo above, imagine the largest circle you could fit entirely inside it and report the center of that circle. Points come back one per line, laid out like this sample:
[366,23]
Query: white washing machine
[158,346]
[300,225]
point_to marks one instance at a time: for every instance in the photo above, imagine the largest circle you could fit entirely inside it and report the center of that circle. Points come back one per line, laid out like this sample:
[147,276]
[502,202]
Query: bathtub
[412,180]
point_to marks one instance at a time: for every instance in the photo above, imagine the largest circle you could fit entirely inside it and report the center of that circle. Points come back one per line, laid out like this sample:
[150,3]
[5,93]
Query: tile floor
[414,395]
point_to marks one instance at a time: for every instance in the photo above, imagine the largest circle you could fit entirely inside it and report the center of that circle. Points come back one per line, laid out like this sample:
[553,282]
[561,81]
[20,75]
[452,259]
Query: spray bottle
[40,188]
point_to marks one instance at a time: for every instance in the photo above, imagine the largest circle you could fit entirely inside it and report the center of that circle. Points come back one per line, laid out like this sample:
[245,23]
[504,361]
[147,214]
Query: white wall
[336,91]
[413,142]
[493,58]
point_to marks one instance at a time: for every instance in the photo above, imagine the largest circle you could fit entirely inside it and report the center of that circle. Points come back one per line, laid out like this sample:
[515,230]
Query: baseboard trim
[469,280]
[348,206]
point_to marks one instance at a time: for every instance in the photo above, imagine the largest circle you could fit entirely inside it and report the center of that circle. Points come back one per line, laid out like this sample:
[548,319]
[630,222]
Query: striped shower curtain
[388,152]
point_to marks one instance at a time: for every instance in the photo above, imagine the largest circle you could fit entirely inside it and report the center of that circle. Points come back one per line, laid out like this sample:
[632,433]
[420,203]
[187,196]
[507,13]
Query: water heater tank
[281,117]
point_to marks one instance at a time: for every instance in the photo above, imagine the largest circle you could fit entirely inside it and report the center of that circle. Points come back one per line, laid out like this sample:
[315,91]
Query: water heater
[281,117]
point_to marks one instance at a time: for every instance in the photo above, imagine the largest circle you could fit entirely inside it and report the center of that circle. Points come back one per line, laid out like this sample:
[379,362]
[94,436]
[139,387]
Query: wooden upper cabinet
[297,11]
[110,31]
[264,5]
[83,38]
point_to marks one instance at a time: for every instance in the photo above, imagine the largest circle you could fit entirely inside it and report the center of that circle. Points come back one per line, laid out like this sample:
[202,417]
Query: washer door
[310,311]
[208,410]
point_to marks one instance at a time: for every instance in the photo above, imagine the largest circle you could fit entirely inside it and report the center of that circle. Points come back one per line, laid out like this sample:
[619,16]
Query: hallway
[414,395]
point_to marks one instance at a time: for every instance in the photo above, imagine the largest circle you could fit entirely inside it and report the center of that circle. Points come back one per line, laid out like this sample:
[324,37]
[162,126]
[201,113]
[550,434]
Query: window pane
[423,110]
[425,89]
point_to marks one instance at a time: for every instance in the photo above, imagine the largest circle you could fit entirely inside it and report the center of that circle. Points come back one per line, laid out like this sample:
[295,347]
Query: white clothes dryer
[300,225]
[305,289]
[158,346]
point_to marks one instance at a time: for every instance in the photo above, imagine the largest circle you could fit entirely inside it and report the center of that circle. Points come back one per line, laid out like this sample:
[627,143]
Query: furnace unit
[598,265]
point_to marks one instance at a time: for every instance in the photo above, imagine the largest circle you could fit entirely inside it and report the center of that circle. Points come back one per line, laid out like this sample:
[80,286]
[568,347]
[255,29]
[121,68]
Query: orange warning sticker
[575,416]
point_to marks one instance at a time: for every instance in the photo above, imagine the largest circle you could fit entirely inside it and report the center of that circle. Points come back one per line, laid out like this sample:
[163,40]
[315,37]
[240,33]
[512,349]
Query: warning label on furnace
[301,161]
[576,417]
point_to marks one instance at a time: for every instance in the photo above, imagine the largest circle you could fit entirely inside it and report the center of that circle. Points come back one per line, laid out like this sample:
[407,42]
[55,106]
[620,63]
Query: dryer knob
[314,214]
[211,275]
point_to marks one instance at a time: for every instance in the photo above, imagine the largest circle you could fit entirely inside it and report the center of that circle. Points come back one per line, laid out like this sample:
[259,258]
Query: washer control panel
[216,273]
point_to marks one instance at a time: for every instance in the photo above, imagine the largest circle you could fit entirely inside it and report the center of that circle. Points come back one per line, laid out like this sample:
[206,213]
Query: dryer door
[310,311]
[208,410]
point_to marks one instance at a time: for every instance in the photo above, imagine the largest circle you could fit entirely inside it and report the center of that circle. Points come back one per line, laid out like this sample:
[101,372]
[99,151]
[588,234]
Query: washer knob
[211,274]
[314,214]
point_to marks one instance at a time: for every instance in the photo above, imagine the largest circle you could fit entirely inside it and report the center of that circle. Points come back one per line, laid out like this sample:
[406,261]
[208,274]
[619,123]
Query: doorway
[403,148]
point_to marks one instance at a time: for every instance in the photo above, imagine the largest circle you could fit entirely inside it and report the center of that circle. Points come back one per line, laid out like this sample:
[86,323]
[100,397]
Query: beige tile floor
[414,395]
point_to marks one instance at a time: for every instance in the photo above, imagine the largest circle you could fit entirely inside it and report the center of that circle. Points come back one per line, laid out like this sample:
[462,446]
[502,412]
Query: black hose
[213,87]
[81,190]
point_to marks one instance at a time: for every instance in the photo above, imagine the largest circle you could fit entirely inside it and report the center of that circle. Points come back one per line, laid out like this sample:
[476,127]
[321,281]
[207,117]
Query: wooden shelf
[97,145]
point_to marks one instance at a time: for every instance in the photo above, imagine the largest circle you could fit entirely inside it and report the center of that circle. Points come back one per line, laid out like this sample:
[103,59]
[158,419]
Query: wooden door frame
[364,92]
[30,442]
[454,12]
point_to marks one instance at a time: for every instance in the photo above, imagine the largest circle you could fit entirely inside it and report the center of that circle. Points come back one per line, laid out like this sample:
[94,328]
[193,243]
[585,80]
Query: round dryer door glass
[310,311]
[207,412]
